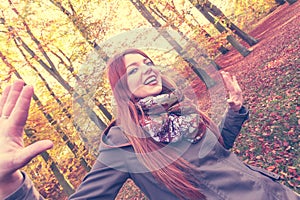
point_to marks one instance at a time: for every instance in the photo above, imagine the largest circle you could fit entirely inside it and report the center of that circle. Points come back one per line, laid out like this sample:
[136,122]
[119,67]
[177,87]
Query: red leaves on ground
[268,77]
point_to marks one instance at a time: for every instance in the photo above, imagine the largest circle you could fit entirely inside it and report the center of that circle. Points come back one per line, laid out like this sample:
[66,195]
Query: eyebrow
[135,63]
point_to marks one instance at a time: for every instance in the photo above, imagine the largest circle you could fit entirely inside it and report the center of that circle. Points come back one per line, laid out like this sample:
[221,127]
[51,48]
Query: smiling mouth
[150,80]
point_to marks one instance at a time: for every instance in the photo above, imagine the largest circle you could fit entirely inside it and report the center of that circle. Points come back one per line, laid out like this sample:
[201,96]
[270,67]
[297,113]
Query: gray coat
[221,174]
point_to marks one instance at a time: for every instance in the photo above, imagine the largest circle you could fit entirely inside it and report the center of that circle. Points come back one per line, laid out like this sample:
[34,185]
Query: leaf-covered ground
[270,79]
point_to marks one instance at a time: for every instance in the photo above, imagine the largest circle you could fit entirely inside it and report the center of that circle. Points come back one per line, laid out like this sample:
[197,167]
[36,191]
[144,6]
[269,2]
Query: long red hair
[176,175]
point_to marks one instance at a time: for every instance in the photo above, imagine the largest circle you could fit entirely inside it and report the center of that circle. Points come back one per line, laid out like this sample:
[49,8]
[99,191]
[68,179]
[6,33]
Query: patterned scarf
[170,118]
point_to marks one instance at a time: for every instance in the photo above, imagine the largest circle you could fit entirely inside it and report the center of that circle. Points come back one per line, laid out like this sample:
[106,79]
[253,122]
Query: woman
[159,139]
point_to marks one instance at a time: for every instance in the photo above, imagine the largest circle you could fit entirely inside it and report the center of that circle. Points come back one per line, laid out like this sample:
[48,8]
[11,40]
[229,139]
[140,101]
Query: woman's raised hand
[235,99]
[14,107]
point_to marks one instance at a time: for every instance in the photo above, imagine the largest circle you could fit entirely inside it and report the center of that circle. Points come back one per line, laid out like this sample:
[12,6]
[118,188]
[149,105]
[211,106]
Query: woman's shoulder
[113,137]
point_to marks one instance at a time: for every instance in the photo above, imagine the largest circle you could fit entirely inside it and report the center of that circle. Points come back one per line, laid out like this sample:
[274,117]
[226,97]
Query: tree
[67,187]
[52,70]
[209,82]
[182,18]
[281,2]
[222,49]
[241,49]
[72,146]
[81,27]
[218,13]
[291,1]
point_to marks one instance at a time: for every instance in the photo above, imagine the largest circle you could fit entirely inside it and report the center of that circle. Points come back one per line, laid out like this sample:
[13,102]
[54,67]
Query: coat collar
[113,137]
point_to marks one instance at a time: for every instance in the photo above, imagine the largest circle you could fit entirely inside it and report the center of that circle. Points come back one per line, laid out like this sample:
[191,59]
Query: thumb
[31,151]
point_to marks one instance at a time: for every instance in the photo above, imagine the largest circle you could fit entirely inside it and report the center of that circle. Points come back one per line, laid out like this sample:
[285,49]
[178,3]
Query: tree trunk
[223,49]
[218,13]
[244,36]
[291,1]
[155,10]
[72,146]
[280,2]
[67,187]
[53,71]
[101,107]
[92,115]
[240,48]
[77,24]
[208,81]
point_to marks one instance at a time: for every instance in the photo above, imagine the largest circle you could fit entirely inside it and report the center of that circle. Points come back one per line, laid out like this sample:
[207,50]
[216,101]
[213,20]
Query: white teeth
[149,80]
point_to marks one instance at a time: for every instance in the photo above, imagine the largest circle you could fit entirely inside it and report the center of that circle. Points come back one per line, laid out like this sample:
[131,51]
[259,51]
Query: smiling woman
[160,140]
[143,78]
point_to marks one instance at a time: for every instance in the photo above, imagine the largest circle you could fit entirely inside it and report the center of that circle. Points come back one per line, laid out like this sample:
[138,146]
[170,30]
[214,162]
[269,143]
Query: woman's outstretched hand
[235,99]
[14,107]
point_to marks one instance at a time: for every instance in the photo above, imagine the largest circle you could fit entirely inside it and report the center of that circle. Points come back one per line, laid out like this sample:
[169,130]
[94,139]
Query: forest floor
[269,78]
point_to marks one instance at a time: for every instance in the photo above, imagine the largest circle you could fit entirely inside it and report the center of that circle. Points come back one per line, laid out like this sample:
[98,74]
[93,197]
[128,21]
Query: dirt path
[282,25]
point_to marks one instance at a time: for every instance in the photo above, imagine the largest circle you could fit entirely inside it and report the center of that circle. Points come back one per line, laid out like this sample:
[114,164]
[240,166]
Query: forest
[61,48]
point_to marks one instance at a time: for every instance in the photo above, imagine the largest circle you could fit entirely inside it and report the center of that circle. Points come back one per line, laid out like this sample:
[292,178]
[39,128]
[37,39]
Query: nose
[146,69]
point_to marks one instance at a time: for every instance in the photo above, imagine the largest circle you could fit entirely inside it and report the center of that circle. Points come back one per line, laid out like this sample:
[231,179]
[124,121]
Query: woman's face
[142,78]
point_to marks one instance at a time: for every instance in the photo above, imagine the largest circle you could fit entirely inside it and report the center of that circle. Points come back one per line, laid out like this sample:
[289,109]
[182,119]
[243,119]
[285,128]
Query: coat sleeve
[26,191]
[231,125]
[105,179]
[102,182]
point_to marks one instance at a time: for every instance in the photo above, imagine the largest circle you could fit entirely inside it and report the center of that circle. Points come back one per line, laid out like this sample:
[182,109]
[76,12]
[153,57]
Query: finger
[232,85]
[228,81]
[31,151]
[4,98]
[12,98]
[236,84]
[20,112]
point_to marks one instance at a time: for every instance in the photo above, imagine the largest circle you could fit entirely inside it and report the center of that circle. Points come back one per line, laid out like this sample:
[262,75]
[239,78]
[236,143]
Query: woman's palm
[14,106]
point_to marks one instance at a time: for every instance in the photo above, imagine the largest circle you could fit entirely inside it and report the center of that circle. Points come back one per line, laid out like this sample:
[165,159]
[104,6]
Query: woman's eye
[132,71]
[149,63]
